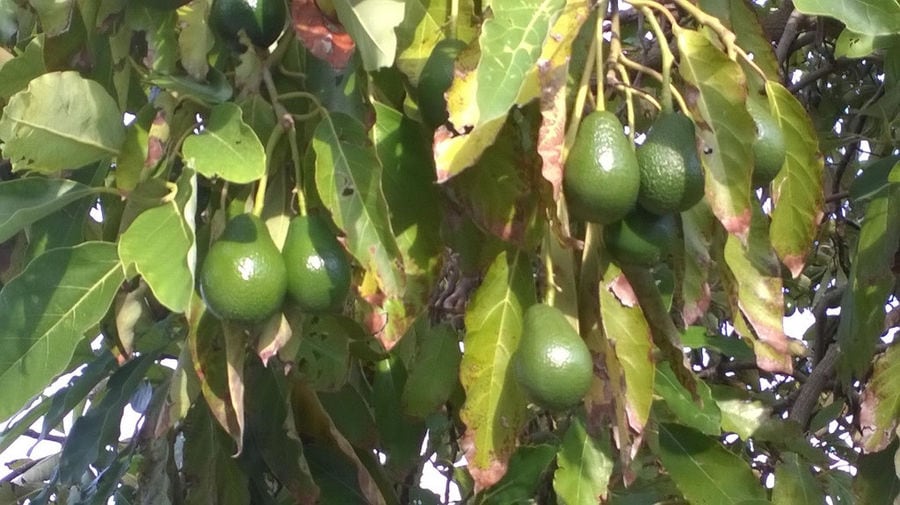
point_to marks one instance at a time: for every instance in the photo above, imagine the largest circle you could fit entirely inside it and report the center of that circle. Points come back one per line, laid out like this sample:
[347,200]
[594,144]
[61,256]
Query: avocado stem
[298,172]
[600,103]
[581,96]
[451,21]
[260,197]
[667,59]
[615,50]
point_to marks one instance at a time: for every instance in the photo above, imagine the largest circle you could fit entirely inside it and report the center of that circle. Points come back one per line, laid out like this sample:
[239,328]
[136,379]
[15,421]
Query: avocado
[262,20]
[435,80]
[769,151]
[552,364]
[641,238]
[243,277]
[318,271]
[671,176]
[165,5]
[602,178]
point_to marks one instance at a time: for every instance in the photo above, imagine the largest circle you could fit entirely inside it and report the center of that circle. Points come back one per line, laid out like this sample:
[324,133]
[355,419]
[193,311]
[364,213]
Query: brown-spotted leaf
[880,408]
[797,193]
[724,127]
[698,226]
[325,38]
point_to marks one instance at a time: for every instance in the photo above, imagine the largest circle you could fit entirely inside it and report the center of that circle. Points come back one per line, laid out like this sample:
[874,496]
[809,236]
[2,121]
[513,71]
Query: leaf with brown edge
[553,73]
[698,225]
[797,193]
[724,127]
[274,336]
[756,296]
[494,410]
[880,407]
[629,336]
[325,38]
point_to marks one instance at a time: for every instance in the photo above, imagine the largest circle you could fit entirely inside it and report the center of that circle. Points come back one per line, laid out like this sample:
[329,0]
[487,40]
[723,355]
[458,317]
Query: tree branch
[808,397]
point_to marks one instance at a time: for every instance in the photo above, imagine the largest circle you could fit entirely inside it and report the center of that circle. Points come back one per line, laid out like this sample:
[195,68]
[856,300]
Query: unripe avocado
[435,80]
[642,238]
[769,151]
[262,20]
[671,176]
[552,363]
[243,277]
[601,177]
[318,271]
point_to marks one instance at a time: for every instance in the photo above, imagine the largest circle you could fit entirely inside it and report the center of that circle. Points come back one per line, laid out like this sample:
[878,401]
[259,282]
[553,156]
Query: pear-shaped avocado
[671,176]
[435,79]
[552,364]
[601,178]
[243,277]
[318,271]
[262,20]
[641,238]
[769,150]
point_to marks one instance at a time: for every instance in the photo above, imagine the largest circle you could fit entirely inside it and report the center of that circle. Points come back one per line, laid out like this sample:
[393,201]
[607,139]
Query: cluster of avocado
[637,192]
[245,278]
[262,20]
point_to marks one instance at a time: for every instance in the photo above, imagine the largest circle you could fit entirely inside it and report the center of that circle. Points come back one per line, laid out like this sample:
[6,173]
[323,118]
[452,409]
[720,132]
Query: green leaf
[46,310]
[214,475]
[195,39]
[56,15]
[215,89]
[698,227]
[371,24]
[585,466]
[401,437]
[696,337]
[348,179]
[16,73]
[157,244]
[324,355]
[741,414]
[756,295]
[724,128]
[880,407]
[423,27]
[872,180]
[64,400]
[871,17]
[794,483]
[510,42]
[797,189]
[435,371]
[526,467]
[64,110]
[24,201]
[876,480]
[862,306]
[629,334]
[705,417]
[227,147]
[705,471]
[495,406]
[352,415]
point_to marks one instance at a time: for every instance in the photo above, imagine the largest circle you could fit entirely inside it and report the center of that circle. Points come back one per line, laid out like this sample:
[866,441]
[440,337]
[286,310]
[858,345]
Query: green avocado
[262,20]
[601,177]
[769,151]
[318,271]
[435,80]
[641,238]
[671,176]
[243,277]
[552,363]
[165,5]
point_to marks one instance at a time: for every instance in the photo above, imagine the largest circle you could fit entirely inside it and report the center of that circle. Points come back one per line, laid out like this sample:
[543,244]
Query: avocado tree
[557,250]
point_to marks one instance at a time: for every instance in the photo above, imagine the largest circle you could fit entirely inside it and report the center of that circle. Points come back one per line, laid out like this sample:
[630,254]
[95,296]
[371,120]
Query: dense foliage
[417,151]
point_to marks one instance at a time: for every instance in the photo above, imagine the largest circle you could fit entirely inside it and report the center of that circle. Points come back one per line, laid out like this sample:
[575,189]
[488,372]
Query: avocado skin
[318,271]
[243,277]
[435,80]
[552,363]
[641,238]
[671,175]
[602,178]
[262,22]
[769,150]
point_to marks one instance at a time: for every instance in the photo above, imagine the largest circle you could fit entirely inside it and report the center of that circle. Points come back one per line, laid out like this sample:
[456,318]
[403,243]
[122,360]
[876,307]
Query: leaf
[696,337]
[705,471]
[64,400]
[876,479]
[724,128]
[226,147]
[880,407]
[56,15]
[862,306]
[24,201]
[16,73]
[797,195]
[862,16]
[206,341]
[371,23]
[156,244]
[195,39]
[214,475]
[324,355]
[698,228]
[495,406]
[510,42]
[526,468]
[435,371]
[705,417]
[400,436]
[757,295]
[752,38]
[795,483]
[741,413]
[424,25]
[64,110]
[46,310]
[585,464]
[322,37]
[628,333]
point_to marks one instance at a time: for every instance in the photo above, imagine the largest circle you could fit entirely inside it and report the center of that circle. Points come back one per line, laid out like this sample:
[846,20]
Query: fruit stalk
[667,59]
[615,49]
[598,41]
